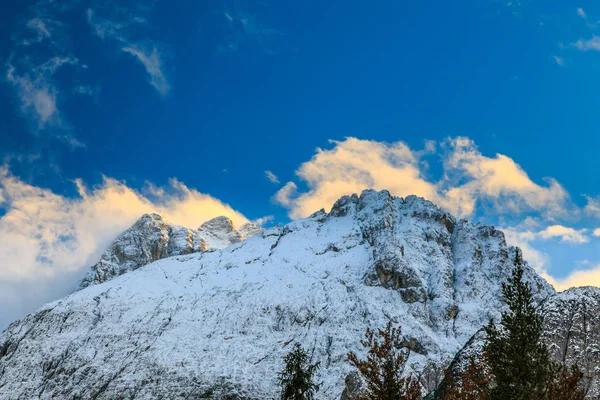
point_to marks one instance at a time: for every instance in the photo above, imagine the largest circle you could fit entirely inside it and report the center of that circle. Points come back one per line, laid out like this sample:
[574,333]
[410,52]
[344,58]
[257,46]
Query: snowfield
[217,323]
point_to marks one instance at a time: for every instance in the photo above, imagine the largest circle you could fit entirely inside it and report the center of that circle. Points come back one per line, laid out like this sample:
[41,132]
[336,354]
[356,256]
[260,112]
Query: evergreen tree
[384,367]
[518,359]
[296,379]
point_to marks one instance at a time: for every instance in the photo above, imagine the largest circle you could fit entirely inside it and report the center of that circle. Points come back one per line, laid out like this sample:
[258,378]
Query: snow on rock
[217,324]
[571,332]
[152,238]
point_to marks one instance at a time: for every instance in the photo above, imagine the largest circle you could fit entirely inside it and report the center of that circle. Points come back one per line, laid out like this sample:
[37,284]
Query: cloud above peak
[49,239]
[46,233]
[469,178]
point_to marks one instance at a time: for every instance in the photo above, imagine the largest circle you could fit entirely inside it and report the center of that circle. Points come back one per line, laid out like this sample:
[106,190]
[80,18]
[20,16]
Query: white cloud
[522,239]
[596,232]
[541,261]
[351,166]
[264,220]
[469,179]
[499,180]
[578,277]
[47,237]
[559,61]
[592,207]
[590,44]
[566,234]
[581,13]
[271,177]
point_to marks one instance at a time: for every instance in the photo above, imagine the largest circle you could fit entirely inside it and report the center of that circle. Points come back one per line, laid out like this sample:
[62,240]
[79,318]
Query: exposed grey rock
[152,238]
[355,387]
[571,332]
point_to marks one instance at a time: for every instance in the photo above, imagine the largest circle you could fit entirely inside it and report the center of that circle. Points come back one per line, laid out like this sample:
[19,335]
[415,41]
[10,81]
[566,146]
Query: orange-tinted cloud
[469,178]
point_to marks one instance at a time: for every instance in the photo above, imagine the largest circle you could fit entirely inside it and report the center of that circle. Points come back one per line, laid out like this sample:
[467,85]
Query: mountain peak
[221,224]
[152,238]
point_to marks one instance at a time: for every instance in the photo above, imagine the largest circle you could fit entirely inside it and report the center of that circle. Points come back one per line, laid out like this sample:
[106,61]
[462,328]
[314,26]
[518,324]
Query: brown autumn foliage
[384,366]
[565,384]
[472,385]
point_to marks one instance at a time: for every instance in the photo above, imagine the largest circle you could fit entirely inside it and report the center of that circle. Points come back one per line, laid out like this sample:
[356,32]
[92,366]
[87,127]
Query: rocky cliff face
[571,332]
[217,324]
[152,238]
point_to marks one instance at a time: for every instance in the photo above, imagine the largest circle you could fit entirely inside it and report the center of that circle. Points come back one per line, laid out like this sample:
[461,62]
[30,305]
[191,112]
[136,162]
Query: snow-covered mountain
[152,238]
[216,324]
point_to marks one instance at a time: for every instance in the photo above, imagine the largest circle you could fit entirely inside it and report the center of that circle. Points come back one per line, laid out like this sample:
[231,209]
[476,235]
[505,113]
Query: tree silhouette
[384,366]
[296,379]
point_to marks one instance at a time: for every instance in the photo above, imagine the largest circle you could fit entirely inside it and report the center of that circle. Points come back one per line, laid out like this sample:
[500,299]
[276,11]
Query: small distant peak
[250,229]
[341,207]
[420,202]
[372,194]
[151,218]
[219,224]
[587,295]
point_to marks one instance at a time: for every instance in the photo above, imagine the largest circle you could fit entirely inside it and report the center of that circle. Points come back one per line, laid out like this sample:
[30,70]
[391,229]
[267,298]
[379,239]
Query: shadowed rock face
[217,324]
[572,332]
[152,238]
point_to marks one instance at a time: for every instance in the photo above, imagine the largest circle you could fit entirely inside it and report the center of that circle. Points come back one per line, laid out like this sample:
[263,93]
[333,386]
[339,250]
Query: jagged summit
[216,324]
[152,238]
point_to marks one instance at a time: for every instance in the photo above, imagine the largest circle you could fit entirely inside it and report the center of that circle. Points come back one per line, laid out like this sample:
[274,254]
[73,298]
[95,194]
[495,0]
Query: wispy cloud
[244,28]
[559,61]
[581,13]
[271,177]
[119,27]
[152,60]
[37,91]
[592,207]
[40,49]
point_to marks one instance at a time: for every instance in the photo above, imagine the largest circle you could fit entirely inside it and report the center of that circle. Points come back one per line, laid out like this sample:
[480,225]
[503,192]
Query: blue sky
[111,108]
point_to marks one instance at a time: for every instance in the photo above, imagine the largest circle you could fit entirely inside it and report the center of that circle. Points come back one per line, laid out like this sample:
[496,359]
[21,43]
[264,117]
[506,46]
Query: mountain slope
[217,324]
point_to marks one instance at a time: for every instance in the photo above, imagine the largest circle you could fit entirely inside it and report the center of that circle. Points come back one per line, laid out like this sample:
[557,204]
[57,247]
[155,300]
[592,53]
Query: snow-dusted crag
[571,332]
[152,238]
[217,324]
